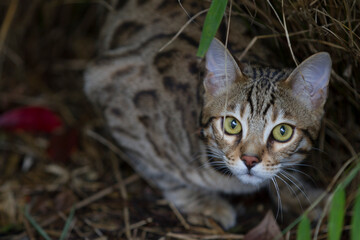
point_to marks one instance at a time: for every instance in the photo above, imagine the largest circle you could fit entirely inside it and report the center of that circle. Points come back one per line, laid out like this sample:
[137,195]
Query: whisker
[291,190]
[301,172]
[297,186]
[319,150]
[297,164]
[279,207]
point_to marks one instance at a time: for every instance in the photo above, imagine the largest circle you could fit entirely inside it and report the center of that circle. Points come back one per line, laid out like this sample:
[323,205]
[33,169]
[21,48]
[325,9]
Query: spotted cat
[232,130]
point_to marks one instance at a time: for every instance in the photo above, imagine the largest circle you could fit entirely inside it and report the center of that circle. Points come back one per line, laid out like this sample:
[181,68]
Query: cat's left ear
[222,69]
[309,81]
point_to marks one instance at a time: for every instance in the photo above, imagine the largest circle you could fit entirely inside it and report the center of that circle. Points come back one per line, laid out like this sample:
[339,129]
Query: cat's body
[172,127]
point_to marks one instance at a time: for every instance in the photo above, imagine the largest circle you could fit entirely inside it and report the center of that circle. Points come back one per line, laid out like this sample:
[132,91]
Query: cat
[194,136]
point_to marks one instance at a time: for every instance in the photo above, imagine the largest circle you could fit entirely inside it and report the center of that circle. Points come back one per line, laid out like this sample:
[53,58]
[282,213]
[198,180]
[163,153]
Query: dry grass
[44,47]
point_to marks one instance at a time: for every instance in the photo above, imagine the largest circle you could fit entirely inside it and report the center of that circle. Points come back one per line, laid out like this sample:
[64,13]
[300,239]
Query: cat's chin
[250,179]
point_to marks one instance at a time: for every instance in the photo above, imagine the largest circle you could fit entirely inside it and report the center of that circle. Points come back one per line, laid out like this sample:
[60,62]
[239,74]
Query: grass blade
[37,227]
[351,175]
[304,229]
[355,221]
[337,213]
[211,24]
[67,224]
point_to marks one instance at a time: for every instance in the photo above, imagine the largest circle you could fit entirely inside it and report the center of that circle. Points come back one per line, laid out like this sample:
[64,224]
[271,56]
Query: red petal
[37,119]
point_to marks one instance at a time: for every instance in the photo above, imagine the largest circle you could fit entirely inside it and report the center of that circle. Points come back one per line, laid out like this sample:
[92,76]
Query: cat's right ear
[222,69]
[310,80]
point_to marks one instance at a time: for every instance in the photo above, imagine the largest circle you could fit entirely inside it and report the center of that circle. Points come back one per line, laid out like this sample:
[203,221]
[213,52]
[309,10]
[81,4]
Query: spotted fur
[170,125]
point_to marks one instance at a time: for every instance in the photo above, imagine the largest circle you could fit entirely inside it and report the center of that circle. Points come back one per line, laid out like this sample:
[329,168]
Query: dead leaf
[267,229]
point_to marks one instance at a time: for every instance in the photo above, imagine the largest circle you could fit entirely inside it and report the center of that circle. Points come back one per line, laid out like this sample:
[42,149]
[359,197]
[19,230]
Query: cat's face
[262,121]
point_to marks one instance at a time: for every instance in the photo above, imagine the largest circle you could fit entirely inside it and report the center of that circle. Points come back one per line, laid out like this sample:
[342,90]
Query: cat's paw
[221,212]
[315,214]
[199,206]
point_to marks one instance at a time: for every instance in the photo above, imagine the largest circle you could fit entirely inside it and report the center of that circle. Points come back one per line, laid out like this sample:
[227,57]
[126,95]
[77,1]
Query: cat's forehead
[264,76]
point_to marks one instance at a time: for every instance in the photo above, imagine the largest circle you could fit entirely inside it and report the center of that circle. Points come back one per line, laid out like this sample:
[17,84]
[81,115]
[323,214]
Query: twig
[346,84]
[179,216]
[341,137]
[138,224]
[182,29]
[118,176]
[204,237]
[96,230]
[253,6]
[287,34]
[28,230]
[324,194]
[106,143]
[10,14]
[86,202]
[124,195]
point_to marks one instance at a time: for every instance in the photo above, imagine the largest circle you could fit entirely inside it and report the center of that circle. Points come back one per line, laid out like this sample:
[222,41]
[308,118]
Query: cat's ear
[309,81]
[222,69]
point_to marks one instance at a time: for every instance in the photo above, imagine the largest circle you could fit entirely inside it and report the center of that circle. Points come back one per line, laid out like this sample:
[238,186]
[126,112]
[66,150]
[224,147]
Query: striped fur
[156,109]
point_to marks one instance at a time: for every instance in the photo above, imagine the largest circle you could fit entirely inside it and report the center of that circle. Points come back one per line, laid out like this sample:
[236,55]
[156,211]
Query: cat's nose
[250,161]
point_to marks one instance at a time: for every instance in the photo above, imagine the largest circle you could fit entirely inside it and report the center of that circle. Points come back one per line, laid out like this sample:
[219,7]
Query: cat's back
[129,48]
[129,45]
[151,99]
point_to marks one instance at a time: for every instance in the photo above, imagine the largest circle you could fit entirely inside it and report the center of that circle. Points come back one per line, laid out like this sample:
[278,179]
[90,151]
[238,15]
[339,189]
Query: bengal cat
[234,129]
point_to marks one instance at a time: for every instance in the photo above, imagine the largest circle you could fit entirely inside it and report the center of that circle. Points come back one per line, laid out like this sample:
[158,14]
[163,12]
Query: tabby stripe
[279,76]
[173,137]
[272,97]
[261,72]
[176,188]
[266,109]
[126,132]
[201,174]
[307,134]
[250,100]
[205,125]
[254,74]
[164,154]
[179,168]
[302,151]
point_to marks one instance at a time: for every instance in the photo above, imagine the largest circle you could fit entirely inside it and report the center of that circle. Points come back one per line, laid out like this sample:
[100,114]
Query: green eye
[232,125]
[282,132]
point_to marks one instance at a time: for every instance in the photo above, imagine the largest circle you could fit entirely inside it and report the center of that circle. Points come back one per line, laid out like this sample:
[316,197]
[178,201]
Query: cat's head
[257,122]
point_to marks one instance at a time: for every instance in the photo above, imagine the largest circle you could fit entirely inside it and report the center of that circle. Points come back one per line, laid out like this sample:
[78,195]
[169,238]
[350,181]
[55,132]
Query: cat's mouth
[250,178]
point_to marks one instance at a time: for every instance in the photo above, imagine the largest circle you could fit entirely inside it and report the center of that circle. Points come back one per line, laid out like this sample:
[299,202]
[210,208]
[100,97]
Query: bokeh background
[68,159]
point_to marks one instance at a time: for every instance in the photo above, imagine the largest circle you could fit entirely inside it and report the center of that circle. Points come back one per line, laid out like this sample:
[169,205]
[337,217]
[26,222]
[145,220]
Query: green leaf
[355,221]
[337,213]
[67,224]
[211,24]
[304,229]
[38,228]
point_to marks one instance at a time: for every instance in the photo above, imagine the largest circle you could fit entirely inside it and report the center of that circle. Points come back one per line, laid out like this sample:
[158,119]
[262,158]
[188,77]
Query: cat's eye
[232,126]
[282,132]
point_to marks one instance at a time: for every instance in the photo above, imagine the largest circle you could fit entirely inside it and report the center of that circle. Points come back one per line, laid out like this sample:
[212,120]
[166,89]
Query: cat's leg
[199,204]
[296,195]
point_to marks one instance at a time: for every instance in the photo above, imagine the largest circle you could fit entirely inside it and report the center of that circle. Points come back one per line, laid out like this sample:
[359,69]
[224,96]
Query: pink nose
[250,161]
